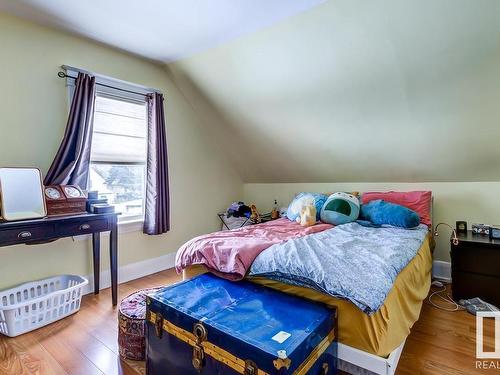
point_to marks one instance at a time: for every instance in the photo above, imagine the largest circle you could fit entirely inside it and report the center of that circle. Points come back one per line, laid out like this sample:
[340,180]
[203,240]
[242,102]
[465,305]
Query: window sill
[126,226]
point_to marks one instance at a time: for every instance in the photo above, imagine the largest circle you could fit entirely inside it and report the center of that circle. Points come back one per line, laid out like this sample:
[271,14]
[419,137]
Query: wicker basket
[35,304]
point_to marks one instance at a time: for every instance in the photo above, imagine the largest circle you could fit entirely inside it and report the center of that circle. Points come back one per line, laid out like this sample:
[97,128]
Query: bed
[369,343]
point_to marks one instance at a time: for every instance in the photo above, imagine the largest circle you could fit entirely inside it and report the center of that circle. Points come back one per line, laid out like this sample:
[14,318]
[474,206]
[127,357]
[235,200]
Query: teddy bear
[307,216]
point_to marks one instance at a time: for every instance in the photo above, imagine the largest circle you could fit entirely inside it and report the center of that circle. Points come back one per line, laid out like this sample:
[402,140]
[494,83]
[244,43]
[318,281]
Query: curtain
[157,215]
[71,164]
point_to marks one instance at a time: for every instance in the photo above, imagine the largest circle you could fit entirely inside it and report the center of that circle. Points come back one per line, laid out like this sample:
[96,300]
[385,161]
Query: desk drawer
[75,228]
[23,235]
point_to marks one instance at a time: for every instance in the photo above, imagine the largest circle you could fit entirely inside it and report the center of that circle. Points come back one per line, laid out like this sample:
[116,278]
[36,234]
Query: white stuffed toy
[305,199]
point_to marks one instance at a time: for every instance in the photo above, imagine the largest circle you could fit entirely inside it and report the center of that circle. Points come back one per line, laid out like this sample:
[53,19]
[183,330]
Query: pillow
[380,212]
[340,208]
[418,201]
[305,199]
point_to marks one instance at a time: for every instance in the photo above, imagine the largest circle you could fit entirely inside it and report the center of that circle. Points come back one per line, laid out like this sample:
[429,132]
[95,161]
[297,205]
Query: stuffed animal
[304,199]
[307,216]
[255,216]
[380,212]
[340,208]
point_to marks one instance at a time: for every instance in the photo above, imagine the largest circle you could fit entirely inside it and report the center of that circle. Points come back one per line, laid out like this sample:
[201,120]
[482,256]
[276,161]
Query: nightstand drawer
[478,260]
[74,228]
[23,235]
[469,285]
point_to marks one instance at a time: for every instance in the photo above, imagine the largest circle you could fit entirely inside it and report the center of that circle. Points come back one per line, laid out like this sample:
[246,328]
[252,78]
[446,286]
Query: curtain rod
[61,74]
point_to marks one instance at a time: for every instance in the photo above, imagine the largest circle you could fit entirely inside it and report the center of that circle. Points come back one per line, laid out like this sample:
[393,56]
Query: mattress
[383,331]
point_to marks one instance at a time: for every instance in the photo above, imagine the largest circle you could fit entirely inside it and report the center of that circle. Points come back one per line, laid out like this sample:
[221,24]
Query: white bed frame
[358,362]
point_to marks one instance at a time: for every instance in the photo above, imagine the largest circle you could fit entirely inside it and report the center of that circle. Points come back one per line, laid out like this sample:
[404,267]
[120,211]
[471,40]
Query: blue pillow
[380,212]
[304,199]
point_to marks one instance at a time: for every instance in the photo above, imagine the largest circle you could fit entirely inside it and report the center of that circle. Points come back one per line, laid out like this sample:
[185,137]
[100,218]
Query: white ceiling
[163,30]
[349,90]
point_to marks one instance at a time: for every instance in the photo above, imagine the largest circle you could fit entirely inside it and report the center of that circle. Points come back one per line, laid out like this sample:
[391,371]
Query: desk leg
[96,249]
[113,254]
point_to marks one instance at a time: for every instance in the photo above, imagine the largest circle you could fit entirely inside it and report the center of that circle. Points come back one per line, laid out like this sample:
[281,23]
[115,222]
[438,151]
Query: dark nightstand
[475,268]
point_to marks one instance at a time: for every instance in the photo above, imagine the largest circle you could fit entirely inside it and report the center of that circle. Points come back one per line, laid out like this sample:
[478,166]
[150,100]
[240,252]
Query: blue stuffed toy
[340,208]
[380,212]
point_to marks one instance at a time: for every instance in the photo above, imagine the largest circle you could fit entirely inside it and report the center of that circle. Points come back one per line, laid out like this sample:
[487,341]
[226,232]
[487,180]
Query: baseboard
[132,271]
[441,270]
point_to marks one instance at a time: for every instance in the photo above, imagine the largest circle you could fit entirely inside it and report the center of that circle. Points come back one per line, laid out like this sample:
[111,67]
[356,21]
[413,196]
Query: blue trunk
[249,326]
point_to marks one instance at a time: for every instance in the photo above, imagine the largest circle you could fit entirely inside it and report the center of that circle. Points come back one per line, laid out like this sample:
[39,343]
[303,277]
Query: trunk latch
[250,368]
[200,334]
[324,369]
[159,325]
[282,362]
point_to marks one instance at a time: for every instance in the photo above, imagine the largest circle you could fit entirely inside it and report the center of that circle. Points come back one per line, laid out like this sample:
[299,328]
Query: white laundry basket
[35,304]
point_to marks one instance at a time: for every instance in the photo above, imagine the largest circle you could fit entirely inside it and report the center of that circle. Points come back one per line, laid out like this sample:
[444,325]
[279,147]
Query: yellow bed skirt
[383,331]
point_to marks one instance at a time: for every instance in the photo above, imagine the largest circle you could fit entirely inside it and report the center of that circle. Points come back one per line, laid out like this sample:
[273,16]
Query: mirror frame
[43,213]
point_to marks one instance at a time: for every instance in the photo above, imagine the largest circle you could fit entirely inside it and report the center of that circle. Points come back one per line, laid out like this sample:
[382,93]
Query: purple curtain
[157,215]
[71,164]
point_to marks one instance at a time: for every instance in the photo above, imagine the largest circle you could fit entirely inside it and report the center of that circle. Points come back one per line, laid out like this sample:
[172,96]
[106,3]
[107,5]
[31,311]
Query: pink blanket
[230,254]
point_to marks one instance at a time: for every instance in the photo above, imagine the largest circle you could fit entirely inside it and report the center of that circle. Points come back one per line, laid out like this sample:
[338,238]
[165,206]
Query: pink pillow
[418,201]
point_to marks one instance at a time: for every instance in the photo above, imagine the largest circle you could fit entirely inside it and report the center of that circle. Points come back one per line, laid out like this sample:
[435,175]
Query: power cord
[438,293]
[453,232]
[446,298]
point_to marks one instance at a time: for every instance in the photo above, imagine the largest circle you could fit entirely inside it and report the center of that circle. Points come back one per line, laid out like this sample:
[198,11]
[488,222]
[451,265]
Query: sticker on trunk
[281,336]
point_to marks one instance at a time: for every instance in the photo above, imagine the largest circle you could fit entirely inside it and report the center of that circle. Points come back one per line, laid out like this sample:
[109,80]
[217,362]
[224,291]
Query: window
[119,153]
[119,142]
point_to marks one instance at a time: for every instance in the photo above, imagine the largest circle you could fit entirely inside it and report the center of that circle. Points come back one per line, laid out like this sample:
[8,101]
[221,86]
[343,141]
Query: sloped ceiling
[353,90]
[162,30]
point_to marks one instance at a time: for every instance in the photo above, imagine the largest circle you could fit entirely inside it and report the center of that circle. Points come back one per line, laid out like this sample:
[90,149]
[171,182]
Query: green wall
[418,104]
[475,202]
[33,110]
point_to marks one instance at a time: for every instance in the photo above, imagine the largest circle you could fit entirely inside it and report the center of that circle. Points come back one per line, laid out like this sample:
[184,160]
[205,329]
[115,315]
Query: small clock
[64,200]
[461,226]
[495,232]
[73,192]
[54,193]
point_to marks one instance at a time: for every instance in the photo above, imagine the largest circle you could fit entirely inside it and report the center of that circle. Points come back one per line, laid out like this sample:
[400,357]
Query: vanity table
[47,229]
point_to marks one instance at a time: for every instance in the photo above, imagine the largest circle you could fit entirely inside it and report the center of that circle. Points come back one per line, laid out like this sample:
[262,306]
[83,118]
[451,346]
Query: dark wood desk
[52,228]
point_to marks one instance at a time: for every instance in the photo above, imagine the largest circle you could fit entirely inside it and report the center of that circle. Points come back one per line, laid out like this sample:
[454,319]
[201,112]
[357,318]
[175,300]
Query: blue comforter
[350,261]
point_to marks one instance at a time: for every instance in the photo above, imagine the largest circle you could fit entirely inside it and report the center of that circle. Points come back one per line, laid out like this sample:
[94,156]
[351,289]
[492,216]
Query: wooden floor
[85,343]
